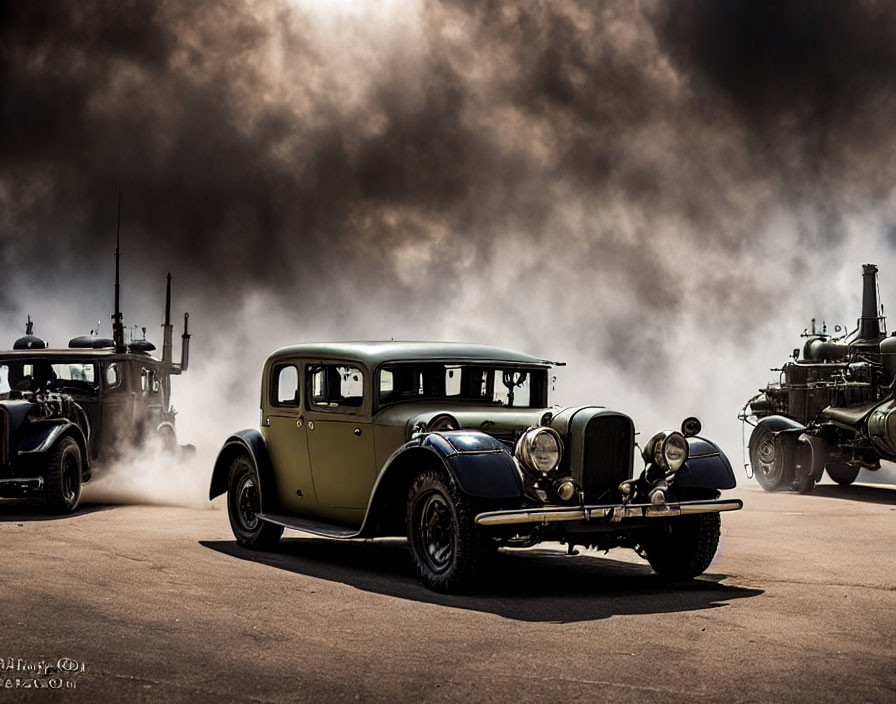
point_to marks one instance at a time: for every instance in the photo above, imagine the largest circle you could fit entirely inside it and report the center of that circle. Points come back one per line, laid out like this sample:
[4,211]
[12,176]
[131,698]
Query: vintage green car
[455,446]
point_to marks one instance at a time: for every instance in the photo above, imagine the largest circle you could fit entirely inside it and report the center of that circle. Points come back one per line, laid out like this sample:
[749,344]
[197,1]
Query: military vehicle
[833,407]
[64,410]
[455,446]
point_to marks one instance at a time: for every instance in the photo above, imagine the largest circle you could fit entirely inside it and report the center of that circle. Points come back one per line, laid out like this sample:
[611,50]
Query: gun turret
[30,341]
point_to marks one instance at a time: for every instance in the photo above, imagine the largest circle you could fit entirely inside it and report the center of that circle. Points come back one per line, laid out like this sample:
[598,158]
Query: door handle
[358,432]
[299,421]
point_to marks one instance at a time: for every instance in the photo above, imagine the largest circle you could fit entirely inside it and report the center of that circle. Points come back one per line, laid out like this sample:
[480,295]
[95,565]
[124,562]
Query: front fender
[481,467]
[44,436]
[251,444]
[707,467]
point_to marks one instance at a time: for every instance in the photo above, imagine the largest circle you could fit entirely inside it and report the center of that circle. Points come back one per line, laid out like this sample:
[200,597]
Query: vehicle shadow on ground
[857,492]
[27,510]
[532,585]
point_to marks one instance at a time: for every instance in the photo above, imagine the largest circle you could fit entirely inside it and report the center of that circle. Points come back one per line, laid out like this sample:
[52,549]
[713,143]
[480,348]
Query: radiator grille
[609,443]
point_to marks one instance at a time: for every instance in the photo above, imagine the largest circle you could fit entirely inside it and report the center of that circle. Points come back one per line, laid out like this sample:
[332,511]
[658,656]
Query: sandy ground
[159,604]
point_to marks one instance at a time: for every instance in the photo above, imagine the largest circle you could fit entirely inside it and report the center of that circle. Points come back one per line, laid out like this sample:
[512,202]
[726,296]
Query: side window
[112,376]
[334,386]
[285,386]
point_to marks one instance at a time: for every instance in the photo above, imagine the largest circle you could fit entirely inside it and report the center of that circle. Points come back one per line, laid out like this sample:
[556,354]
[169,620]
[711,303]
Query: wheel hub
[766,453]
[247,503]
[436,530]
[69,478]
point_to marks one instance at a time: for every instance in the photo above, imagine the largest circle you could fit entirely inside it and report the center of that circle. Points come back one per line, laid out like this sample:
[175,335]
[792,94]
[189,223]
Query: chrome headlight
[539,449]
[668,450]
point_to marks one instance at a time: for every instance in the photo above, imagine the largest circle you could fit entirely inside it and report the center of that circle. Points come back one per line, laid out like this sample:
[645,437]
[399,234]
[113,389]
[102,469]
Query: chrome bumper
[23,482]
[612,514]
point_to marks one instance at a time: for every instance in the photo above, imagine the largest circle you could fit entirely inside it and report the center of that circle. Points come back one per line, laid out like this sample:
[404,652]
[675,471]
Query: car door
[286,438]
[340,438]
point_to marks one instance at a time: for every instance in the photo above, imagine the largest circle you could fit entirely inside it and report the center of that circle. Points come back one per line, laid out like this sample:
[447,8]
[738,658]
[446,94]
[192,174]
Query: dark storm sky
[636,184]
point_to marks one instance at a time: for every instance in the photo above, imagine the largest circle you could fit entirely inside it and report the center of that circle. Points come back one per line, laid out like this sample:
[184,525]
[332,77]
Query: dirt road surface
[159,604]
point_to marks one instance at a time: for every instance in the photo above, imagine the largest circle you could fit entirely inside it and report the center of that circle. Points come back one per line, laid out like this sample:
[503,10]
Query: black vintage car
[833,407]
[456,447]
[62,410]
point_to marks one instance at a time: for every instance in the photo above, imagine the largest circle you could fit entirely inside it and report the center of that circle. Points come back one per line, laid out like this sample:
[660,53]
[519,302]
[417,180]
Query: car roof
[374,353]
[73,354]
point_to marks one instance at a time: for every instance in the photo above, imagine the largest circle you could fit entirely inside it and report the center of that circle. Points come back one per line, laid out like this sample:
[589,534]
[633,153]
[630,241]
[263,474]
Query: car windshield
[30,374]
[509,386]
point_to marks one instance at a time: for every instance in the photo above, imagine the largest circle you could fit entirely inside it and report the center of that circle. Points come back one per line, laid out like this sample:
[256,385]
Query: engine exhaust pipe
[167,328]
[869,323]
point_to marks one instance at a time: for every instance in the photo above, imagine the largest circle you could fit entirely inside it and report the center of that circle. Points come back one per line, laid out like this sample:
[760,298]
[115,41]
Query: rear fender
[707,467]
[251,444]
[481,467]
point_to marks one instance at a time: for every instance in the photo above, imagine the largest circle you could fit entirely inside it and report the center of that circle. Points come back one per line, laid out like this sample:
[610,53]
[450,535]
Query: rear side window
[112,377]
[285,386]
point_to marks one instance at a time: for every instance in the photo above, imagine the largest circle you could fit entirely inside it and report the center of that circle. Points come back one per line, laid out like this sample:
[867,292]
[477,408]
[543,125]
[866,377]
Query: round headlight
[675,451]
[667,450]
[539,449]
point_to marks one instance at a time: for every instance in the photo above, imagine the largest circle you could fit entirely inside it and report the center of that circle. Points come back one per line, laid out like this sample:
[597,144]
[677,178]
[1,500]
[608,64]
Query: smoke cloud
[661,194]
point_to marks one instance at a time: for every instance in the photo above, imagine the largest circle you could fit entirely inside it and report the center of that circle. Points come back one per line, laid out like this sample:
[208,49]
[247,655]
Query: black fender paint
[481,465]
[45,436]
[707,467]
[251,444]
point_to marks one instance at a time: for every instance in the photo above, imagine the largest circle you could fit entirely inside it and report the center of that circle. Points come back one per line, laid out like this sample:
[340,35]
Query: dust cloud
[660,194]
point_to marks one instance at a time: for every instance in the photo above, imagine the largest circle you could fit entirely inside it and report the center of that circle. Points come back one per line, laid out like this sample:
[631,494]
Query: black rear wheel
[769,460]
[683,547]
[842,472]
[447,546]
[62,480]
[244,505]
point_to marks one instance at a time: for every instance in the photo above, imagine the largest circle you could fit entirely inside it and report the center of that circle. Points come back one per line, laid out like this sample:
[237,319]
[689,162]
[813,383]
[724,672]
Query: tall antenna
[117,326]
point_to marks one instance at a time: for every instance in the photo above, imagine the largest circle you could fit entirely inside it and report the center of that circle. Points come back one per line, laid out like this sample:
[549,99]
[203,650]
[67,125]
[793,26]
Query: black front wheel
[62,480]
[768,457]
[683,547]
[244,505]
[447,546]
[842,472]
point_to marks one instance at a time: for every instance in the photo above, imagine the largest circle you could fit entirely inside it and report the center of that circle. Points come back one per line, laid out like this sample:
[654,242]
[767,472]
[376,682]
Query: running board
[327,530]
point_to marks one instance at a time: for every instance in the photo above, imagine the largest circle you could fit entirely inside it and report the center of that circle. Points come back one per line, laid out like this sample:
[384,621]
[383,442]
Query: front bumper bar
[17,486]
[614,513]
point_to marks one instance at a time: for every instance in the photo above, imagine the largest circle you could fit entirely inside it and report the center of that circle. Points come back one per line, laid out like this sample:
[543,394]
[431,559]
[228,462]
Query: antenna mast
[117,326]
[166,326]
